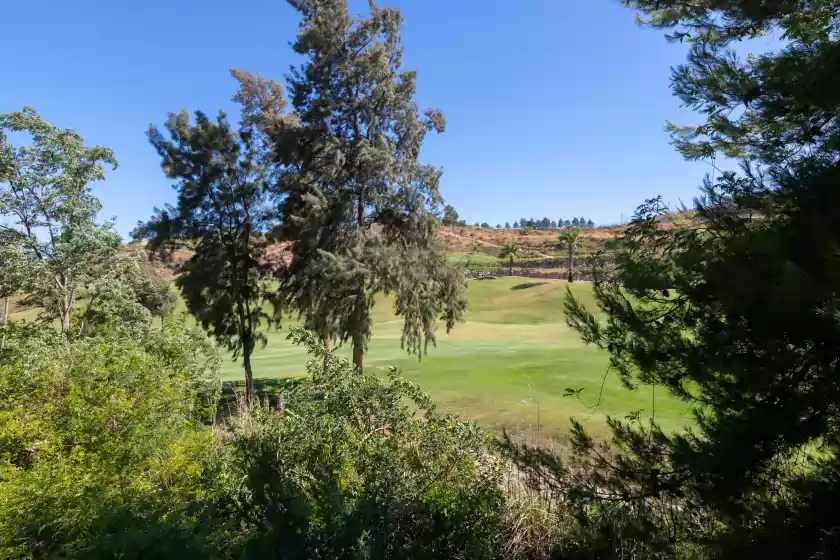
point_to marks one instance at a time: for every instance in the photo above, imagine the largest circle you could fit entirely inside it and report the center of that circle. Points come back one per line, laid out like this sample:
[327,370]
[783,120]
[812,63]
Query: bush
[349,465]
[102,443]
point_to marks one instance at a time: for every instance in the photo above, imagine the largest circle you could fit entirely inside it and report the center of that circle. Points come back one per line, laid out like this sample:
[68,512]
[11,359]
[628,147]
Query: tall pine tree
[737,313]
[357,205]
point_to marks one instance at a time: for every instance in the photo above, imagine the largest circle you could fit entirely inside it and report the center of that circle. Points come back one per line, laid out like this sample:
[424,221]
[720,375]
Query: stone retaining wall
[484,274]
[559,262]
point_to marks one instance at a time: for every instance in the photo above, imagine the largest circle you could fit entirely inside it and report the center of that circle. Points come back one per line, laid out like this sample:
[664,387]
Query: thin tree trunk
[65,318]
[358,339]
[5,321]
[571,266]
[249,375]
[66,305]
[327,340]
[358,353]
[358,342]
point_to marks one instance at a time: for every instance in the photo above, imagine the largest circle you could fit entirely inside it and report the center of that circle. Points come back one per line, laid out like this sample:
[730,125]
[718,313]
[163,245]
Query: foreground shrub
[102,442]
[352,466]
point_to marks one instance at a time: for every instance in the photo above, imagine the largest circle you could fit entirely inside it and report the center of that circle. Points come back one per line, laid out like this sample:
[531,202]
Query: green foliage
[101,442]
[735,313]
[45,196]
[769,106]
[358,206]
[153,290]
[352,466]
[571,239]
[450,215]
[509,252]
[223,181]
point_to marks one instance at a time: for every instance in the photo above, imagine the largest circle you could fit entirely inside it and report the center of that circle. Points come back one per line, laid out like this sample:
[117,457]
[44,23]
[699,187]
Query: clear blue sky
[554,108]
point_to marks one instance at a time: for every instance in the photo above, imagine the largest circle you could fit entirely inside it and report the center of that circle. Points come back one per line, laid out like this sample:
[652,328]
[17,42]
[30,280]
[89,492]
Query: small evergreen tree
[223,214]
[735,311]
[450,215]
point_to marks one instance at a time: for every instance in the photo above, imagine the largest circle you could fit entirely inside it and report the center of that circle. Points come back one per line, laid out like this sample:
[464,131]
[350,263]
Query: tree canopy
[223,213]
[736,312]
[358,206]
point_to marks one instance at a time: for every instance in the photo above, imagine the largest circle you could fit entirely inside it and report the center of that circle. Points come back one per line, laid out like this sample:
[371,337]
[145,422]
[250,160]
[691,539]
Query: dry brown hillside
[471,239]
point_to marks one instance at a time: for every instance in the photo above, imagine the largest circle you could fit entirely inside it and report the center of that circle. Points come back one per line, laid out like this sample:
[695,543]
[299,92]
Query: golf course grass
[507,366]
[510,361]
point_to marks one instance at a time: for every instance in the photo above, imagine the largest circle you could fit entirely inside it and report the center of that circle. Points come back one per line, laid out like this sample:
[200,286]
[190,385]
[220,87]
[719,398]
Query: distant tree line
[451,218]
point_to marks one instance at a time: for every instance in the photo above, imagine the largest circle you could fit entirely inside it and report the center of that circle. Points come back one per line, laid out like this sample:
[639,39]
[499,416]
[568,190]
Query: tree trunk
[358,339]
[249,376]
[571,266]
[358,342]
[65,318]
[66,305]
[326,339]
[5,321]
[358,353]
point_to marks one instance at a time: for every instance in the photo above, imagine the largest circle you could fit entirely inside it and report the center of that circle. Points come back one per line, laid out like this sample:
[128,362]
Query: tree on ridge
[509,252]
[570,240]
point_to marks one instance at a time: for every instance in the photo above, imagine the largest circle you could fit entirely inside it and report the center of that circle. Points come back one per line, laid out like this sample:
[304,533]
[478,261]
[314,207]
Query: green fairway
[512,356]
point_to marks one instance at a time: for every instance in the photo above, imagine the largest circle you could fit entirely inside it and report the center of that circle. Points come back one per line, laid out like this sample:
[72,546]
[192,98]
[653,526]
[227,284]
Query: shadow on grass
[528,285]
[267,391]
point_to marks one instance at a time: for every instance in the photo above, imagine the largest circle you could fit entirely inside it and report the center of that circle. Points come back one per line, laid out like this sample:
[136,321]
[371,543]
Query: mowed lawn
[508,363]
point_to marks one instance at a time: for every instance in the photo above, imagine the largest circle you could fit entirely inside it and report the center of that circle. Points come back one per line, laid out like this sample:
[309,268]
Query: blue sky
[554,108]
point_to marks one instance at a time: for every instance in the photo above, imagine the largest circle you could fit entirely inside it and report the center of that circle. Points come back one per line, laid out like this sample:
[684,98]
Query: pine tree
[356,204]
[735,311]
[515,225]
[450,215]
[507,225]
[222,212]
